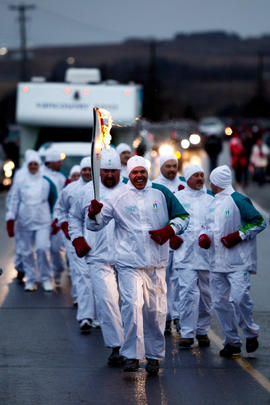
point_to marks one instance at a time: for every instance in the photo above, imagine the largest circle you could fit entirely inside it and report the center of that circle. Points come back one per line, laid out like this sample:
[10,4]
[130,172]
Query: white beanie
[221,176]
[53,156]
[136,161]
[85,162]
[32,156]
[192,169]
[74,169]
[26,153]
[164,158]
[110,159]
[123,147]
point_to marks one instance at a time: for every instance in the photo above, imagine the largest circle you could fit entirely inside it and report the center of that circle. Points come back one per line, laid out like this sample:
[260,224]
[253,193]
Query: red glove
[64,227]
[204,241]
[94,209]
[81,246]
[181,187]
[68,181]
[162,235]
[176,242]
[231,239]
[55,227]
[10,227]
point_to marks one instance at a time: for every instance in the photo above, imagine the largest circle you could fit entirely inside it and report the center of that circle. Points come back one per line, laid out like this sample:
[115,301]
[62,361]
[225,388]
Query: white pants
[233,305]
[144,308]
[18,260]
[70,257]
[194,302]
[38,241]
[106,293]
[84,288]
[57,252]
[172,290]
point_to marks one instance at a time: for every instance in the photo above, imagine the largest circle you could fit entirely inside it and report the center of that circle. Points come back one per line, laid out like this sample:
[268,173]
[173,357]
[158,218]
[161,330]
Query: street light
[3,51]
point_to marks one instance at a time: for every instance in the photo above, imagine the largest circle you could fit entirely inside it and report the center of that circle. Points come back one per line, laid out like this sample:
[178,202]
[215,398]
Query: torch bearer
[101,138]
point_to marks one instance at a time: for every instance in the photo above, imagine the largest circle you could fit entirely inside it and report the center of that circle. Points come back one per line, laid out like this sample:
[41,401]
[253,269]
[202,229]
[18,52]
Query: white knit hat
[85,162]
[136,161]
[110,159]
[53,156]
[165,158]
[192,169]
[123,147]
[74,169]
[221,176]
[32,156]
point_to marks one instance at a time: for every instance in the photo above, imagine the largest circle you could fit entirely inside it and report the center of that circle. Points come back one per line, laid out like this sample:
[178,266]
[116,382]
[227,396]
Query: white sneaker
[47,286]
[95,324]
[30,286]
[85,325]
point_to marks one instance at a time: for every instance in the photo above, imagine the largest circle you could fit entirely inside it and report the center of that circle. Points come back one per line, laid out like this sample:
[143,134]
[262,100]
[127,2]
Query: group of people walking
[144,255]
[250,156]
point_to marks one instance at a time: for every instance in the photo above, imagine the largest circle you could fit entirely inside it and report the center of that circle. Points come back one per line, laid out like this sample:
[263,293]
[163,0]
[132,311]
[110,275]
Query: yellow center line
[246,366]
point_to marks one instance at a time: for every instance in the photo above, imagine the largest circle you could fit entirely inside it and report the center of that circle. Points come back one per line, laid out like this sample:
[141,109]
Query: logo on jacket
[155,205]
[227,213]
[131,208]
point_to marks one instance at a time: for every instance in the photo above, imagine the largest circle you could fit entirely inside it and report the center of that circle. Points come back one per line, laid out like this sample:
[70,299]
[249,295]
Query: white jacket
[135,213]
[172,185]
[190,255]
[231,212]
[31,202]
[56,177]
[66,198]
[101,242]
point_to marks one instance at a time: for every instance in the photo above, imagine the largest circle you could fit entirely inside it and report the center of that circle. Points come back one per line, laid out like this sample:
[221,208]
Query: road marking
[246,366]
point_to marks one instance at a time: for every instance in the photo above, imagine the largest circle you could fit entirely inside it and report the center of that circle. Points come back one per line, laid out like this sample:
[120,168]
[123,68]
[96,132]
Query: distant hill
[192,74]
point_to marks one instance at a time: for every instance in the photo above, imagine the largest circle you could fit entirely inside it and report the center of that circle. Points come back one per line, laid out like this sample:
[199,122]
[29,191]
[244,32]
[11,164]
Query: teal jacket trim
[250,217]
[52,194]
[175,208]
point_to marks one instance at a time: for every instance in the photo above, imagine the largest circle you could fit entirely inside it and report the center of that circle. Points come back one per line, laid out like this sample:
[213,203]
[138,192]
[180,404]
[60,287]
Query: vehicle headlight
[228,131]
[185,143]
[166,150]
[8,167]
[195,139]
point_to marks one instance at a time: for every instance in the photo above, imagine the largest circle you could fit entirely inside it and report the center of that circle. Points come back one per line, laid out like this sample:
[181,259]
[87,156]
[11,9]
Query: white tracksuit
[100,260]
[171,281]
[18,262]
[231,268]
[57,241]
[141,262]
[80,274]
[191,265]
[29,207]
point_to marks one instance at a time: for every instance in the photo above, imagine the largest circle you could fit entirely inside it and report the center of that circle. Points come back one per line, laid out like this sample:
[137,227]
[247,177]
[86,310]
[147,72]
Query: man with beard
[192,261]
[168,177]
[99,251]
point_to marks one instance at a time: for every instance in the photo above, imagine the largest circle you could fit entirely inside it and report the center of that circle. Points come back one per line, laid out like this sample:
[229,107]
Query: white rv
[63,112]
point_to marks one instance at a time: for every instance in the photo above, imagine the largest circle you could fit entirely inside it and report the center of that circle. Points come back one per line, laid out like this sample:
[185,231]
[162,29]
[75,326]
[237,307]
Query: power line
[81,23]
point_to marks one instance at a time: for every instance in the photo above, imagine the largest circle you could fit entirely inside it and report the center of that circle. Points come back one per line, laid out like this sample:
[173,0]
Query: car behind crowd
[71,152]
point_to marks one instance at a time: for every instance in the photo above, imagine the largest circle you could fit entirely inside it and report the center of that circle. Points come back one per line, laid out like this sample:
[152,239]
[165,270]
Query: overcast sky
[109,21]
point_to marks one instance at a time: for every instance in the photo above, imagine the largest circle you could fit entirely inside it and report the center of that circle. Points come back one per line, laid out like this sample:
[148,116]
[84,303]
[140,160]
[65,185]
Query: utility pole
[22,8]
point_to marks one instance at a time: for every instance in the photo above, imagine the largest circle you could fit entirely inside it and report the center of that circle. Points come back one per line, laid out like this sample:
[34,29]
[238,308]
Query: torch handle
[95,157]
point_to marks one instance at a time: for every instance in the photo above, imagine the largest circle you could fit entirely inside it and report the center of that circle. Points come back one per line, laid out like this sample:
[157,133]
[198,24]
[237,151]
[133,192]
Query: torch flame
[106,124]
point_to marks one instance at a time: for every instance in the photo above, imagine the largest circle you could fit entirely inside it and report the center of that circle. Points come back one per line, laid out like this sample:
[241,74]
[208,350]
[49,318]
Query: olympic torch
[101,138]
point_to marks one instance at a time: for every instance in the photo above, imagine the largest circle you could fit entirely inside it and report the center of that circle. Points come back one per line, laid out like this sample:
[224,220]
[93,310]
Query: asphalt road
[45,360]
